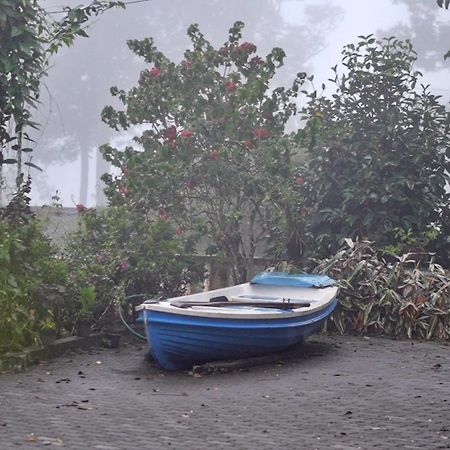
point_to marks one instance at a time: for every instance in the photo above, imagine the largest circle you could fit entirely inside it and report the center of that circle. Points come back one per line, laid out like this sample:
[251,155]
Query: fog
[312,33]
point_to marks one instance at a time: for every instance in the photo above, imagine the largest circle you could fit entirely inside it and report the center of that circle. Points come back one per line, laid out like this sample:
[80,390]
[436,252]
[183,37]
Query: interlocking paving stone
[345,393]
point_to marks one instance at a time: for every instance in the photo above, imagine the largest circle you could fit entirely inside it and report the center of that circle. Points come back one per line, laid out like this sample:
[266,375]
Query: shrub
[117,252]
[378,152]
[407,296]
[32,277]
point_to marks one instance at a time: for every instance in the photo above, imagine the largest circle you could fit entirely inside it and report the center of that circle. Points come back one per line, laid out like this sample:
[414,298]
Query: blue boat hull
[179,341]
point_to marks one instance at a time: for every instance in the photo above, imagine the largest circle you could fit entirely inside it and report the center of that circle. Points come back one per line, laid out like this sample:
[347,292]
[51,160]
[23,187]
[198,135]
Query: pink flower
[214,154]
[230,86]
[154,72]
[261,133]
[191,184]
[186,64]
[247,143]
[299,181]
[178,230]
[123,265]
[186,134]
[123,190]
[80,208]
[248,47]
[170,133]
[163,214]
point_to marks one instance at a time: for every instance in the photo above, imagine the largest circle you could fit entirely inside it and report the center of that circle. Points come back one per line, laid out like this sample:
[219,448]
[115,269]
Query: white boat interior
[247,301]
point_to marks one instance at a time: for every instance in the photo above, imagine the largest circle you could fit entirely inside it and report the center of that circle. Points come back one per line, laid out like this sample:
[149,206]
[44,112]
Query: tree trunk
[19,177]
[84,175]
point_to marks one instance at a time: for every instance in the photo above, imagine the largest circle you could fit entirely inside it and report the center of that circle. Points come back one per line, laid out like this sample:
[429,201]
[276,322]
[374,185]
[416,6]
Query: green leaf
[34,166]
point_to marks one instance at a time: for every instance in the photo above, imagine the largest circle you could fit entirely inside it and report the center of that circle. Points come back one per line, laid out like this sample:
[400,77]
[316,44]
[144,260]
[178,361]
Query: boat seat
[246,298]
[265,298]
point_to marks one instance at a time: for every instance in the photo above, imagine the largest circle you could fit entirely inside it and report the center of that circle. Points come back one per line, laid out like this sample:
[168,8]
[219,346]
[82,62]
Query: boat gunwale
[240,313]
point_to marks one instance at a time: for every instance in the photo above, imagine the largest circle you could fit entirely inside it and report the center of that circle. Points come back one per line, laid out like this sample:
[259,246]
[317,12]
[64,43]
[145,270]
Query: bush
[32,278]
[117,252]
[406,296]
[379,153]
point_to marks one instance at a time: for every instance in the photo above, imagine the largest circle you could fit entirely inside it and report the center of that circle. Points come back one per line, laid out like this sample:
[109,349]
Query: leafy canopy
[214,158]
[379,149]
[29,36]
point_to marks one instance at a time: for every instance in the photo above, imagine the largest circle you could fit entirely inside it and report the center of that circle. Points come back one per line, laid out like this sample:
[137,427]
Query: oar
[276,305]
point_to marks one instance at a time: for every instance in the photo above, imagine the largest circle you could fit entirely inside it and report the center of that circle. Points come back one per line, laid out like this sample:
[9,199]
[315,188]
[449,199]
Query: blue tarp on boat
[292,279]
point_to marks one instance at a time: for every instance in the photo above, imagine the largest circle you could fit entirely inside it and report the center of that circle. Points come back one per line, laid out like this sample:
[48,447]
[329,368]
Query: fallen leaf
[31,438]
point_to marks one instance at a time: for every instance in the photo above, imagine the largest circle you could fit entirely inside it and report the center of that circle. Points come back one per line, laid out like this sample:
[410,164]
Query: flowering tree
[214,159]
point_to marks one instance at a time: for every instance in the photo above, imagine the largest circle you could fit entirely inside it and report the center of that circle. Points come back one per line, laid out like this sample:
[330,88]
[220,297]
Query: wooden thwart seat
[254,303]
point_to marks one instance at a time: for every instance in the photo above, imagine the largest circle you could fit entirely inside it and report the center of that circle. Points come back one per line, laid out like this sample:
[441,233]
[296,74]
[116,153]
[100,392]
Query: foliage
[117,252]
[403,297]
[444,4]
[378,151]
[87,302]
[32,278]
[29,36]
[214,158]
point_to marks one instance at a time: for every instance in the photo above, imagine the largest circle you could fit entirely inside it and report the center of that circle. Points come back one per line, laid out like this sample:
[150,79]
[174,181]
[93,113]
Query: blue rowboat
[273,312]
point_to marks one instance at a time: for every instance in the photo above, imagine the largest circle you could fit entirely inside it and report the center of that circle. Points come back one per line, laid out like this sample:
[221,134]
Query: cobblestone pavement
[344,393]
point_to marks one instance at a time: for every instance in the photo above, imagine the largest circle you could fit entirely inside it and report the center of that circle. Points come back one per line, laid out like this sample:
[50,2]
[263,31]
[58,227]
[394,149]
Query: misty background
[311,32]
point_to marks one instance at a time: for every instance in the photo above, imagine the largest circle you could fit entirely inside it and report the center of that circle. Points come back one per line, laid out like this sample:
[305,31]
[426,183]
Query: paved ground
[345,393]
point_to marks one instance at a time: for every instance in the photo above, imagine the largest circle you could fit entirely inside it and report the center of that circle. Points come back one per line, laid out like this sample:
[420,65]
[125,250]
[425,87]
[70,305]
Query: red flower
[299,181]
[123,265]
[170,133]
[163,214]
[247,143]
[214,154]
[178,230]
[154,72]
[248,47]
[257,60]
[186,134]
[80,208]
[261,133]
[230,86]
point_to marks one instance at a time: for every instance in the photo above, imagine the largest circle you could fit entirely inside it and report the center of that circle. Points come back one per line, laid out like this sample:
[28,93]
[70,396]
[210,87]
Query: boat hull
[179,341]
